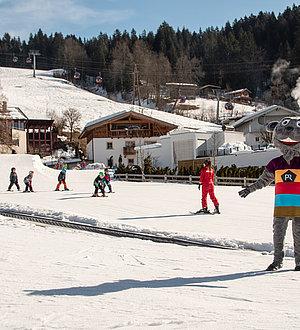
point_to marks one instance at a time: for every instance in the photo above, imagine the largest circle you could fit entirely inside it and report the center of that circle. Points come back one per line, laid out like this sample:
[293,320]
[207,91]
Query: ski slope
[63,279]
[40,96]
[162,208]
[57,278]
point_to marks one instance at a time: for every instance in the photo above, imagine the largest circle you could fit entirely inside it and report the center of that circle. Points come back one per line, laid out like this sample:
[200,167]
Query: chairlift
[15,59]
[77,75]
[28,60]
[229,106]
[99,80]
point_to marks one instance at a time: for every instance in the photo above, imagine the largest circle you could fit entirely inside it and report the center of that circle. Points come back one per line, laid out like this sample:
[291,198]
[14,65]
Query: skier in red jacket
[207,176]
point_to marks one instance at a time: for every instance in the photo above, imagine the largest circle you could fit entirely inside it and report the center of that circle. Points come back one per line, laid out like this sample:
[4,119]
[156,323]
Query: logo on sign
[288,176]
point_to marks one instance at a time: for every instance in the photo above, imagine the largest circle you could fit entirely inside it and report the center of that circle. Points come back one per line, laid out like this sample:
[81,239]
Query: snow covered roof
[181,84]
[176,120]
[16,113]
[238,91]
[262,113]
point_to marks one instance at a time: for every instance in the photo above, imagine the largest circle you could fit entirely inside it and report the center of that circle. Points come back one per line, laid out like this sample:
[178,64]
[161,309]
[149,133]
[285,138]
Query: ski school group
[102,180]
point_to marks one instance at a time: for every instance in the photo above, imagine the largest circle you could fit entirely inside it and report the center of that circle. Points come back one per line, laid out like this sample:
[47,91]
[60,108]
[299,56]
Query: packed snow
[41,96]
[162,208]
[63,279]
[57,278]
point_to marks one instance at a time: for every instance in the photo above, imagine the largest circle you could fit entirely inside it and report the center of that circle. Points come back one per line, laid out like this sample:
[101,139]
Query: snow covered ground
[62,279]
[149,207]
[207,108]
[57,278]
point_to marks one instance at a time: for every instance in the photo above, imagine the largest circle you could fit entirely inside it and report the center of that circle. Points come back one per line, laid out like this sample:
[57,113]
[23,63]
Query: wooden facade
[242,96]
[127,125]
[178,90]
[40,136]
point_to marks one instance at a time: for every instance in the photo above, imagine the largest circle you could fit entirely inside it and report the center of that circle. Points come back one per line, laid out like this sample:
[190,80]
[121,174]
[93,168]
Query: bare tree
[122,67]
[267,137]
[72,53]
[5,123]
[72,119]
[59,121]
[188,70]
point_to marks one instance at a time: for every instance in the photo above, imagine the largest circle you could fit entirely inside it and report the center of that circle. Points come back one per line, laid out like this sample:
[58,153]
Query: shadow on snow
[122,285]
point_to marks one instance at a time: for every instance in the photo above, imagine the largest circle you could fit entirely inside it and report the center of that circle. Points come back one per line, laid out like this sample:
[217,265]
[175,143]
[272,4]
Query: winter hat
[101,173]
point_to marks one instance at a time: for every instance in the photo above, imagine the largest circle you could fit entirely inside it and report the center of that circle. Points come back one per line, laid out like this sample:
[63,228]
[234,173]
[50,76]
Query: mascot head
[286,136]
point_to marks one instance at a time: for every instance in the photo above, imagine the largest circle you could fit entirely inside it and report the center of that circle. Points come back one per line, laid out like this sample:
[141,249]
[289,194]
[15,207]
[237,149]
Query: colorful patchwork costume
[285,171]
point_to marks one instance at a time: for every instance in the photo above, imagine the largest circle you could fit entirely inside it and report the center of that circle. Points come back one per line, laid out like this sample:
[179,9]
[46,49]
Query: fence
[182,179]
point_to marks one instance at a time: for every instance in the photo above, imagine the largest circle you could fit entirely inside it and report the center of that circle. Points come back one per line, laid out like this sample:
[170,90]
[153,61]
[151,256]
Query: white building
[129,136]
[253,126]
[184,144]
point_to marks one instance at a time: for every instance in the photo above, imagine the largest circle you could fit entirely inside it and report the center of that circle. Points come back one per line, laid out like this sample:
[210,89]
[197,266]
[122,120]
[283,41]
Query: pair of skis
[204,213]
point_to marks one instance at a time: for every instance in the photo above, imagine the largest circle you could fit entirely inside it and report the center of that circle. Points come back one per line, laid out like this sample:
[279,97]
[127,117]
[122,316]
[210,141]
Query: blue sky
[87,18]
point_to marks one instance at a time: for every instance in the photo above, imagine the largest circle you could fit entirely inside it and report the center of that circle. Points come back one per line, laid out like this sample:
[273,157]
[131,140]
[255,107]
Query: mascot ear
[271,126]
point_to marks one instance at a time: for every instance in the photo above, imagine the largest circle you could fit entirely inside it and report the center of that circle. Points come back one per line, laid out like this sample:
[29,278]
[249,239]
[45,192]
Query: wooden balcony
[131,133]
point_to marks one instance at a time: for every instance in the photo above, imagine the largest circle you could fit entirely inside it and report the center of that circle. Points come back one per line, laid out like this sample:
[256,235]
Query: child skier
[99,184]
[62,179]
[207,181]
[28,182]
[107,180]
[13,179]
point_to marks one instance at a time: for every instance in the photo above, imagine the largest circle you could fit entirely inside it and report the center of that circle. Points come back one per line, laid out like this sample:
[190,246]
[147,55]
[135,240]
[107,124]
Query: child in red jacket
[207,176]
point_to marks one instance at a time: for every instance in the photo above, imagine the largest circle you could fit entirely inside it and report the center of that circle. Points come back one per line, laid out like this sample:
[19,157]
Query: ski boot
[216,210]
[274,266]
[95,195]
[56,189]
[204,210]
[67,189]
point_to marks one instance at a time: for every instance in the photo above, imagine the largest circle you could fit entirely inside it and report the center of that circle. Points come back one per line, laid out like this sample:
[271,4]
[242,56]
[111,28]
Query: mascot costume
[285,171]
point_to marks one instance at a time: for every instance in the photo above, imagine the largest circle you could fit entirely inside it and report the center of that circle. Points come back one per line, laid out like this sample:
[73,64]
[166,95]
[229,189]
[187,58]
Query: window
[130,161]
[130,144]
[257,139]
[109,145]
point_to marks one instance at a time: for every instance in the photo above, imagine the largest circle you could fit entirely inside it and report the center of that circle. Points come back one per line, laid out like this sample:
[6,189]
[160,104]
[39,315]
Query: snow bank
[266,247]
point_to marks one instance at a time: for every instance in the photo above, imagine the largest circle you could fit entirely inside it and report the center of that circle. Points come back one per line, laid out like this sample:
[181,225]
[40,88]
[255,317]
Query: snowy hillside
[44,94]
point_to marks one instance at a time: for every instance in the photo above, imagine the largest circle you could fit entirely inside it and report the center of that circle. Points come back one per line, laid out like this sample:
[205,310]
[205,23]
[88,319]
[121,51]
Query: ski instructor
[206,180]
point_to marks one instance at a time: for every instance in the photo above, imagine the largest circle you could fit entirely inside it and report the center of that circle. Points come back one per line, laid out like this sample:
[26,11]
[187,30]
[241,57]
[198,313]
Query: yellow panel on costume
[288,173]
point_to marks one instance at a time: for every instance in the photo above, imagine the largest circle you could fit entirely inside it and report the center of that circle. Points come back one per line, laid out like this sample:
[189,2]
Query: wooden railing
[128,151]
[130,133]
[183,179]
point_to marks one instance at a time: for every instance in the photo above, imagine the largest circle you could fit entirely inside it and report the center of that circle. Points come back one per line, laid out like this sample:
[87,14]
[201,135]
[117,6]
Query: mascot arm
[264,180]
